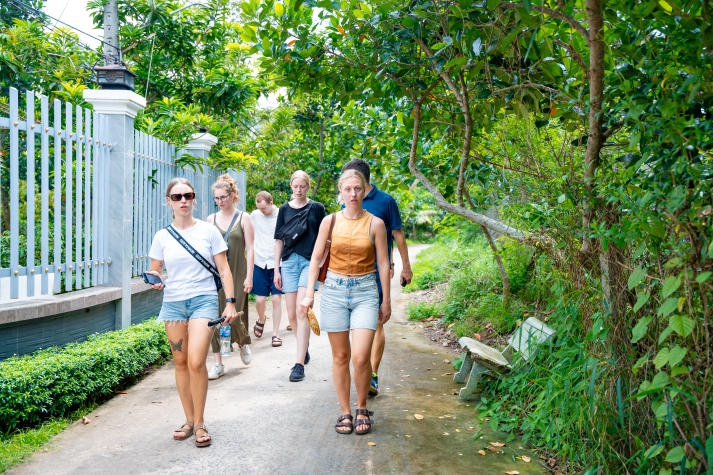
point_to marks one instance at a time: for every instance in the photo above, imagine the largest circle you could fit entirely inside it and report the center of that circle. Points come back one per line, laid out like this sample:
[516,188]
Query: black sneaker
[307,358]
[298,373]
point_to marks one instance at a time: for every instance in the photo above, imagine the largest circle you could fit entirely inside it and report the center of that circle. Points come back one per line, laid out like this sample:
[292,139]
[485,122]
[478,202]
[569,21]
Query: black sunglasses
[178,196]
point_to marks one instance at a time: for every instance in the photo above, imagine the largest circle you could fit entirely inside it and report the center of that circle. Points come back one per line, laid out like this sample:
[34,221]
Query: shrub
[53,381]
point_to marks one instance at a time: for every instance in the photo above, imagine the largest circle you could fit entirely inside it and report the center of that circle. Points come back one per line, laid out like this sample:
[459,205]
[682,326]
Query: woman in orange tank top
[350,299]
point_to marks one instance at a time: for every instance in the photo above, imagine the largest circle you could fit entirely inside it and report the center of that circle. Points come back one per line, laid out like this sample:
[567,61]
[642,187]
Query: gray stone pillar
[116,112]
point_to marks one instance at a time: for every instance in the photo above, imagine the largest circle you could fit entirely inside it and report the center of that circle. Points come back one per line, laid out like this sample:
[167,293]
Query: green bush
[54,381]
[423,311]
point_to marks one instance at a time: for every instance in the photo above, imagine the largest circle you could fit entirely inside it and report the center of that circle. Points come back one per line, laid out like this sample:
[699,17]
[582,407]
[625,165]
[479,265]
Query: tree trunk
[501,267]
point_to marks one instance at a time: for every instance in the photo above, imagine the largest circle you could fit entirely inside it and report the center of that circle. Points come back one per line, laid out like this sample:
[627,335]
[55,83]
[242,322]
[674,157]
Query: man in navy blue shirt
[383,205]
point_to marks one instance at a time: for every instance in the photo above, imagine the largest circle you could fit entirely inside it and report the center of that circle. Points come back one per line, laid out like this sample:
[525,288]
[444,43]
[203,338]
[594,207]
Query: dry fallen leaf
[481,452]
[85,420]
[447,361]
[497,444]
[512,472]
[476,336]
[493,449]
[446,433]
[122,392]
[373,444]
[526,459]
[418,416]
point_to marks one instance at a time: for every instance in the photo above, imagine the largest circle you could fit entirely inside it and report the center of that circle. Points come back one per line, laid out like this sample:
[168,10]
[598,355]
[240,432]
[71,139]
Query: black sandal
[363,422]
[258,329]
[344,422]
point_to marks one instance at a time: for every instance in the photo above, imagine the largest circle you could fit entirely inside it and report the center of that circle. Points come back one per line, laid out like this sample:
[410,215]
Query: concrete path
[263,424]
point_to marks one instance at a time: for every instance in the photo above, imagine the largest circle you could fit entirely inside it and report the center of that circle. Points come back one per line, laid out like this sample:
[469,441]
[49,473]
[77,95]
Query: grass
[15,447]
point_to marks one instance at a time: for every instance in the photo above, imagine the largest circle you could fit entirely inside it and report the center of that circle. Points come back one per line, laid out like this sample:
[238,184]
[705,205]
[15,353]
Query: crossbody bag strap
[193,252]
[230,226]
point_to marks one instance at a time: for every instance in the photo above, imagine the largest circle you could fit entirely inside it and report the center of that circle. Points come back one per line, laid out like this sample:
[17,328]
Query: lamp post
[113,74]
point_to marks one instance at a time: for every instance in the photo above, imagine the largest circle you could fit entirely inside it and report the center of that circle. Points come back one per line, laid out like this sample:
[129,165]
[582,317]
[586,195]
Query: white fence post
[117,110]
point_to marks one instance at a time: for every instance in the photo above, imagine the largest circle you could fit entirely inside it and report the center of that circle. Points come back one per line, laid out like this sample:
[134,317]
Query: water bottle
[225,340]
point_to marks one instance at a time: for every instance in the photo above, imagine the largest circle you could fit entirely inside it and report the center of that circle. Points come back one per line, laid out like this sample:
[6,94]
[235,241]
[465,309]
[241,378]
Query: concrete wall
[30,324]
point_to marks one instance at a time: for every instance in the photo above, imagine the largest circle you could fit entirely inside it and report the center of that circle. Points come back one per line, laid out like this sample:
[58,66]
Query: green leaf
[667,307]
[457,61]
[661,359]
[670,285]
[641,300]
[676,355]
[682,325]
[636,277]
[639,331]
[709,450]
[675,455]
[703,276]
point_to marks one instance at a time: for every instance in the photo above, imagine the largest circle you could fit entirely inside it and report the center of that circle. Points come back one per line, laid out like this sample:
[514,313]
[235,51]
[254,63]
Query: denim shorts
[200,306]
[295,273]
[349,303]
[264,282]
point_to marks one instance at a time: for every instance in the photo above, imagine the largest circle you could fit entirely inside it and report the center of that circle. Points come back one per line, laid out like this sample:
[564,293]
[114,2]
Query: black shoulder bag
[197,255]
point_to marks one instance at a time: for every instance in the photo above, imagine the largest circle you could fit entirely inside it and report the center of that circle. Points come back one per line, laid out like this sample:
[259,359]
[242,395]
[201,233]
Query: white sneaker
[245,354]
[216,371]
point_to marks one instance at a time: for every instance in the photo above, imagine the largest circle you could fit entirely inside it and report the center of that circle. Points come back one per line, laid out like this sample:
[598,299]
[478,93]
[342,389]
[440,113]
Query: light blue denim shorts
[201,306]
[349,303]
[295,273]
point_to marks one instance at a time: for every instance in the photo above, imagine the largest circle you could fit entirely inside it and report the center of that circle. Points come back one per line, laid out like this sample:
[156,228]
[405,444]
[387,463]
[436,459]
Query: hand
[384,312]
[277,280]
[158,286]
[406,276]
[307,301]
[247,286]
[230,313]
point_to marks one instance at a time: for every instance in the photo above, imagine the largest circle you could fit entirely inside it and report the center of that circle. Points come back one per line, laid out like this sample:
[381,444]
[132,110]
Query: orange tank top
[352,251]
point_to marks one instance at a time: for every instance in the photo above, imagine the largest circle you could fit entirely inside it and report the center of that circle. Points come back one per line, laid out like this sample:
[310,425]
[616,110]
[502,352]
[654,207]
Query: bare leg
[377,348]
[302,329]
[198,343]
[361,349]
[276,314]
[339,342]
[260,304]
[177,334]
[291,304]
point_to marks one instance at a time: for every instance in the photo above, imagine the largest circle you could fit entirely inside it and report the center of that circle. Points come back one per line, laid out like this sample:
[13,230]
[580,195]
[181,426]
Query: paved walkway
[261,423]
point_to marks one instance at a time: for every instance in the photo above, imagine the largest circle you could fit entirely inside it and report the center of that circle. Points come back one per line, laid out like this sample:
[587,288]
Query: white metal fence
[54,182]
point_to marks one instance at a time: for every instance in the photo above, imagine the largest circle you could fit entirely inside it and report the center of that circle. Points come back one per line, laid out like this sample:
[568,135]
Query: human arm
[156,267]
[277,280]
[249,234]
[406,272]
[226,277]
[317,254]
[384,266]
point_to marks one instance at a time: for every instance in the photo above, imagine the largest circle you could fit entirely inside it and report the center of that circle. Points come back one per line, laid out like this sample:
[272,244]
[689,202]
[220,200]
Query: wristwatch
[230,300]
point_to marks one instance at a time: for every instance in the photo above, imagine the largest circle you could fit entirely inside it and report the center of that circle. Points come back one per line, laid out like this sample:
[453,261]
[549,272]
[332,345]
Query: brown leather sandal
[276,341]
[344,424]
[258,329]
[183,432]
[363,422]
[205,437]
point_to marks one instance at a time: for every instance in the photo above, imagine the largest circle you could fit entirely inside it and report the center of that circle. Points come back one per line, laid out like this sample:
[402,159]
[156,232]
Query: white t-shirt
[264,246]
[185,276]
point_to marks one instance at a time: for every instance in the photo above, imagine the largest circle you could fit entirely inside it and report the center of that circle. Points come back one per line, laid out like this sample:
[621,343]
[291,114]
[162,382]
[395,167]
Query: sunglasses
[178,196]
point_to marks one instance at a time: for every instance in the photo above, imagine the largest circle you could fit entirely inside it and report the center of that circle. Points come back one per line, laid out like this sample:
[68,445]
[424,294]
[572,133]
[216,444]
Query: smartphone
[151,278]
[216,321]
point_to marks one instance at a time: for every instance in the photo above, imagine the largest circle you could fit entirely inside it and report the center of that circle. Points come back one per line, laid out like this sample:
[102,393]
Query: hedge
[55,381]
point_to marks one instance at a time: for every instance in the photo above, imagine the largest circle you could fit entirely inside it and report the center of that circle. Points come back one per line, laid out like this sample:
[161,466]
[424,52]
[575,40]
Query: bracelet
[230,300]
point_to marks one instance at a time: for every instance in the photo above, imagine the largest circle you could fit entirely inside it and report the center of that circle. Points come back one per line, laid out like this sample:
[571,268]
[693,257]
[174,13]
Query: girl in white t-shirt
[190,300]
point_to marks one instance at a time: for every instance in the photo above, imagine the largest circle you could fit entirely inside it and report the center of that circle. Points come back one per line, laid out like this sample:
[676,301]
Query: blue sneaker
[374,386]
[298,373]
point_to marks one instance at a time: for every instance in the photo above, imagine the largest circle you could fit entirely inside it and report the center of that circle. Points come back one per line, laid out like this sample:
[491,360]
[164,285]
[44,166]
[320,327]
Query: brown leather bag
[324,264]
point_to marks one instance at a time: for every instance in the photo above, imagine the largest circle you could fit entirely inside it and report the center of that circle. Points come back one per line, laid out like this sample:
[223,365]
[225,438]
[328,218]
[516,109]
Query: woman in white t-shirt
[190,301]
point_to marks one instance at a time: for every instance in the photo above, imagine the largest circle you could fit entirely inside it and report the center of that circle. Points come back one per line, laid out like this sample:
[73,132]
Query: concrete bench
[479,358]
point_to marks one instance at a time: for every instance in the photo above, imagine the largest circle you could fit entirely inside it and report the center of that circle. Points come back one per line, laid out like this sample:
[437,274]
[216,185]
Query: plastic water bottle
[225,340]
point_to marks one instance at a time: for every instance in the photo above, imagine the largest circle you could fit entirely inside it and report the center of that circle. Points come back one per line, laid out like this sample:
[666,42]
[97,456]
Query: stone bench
[479,358]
